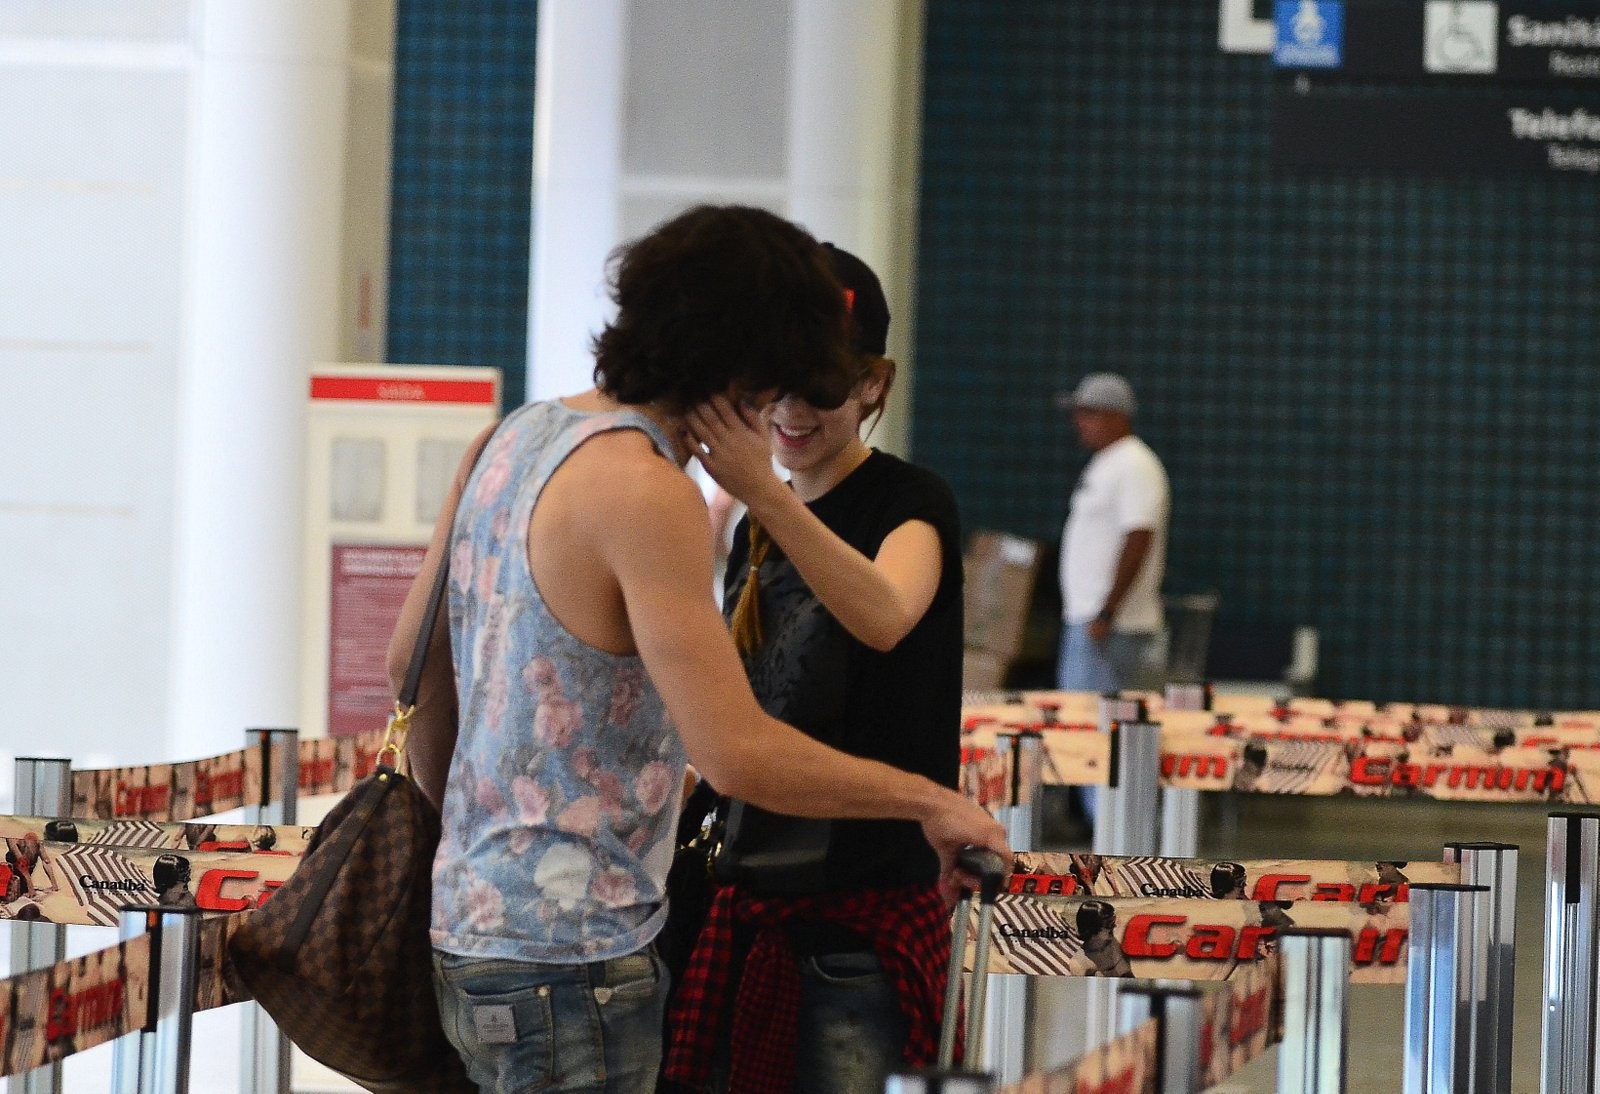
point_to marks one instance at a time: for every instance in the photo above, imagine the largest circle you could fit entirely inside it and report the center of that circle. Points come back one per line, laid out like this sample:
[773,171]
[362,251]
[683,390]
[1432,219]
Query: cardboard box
[1000,571]
[982,670]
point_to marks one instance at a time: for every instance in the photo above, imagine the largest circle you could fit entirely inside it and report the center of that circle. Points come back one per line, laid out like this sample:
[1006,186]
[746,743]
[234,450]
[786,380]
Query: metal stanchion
[1188,697]
[1129,820]
[1010,1002]
[1180,822]
[156,1060]
[44,789]
[133,1053]
[1176,1006]
[1024,752]
[1571,923]
[1316,1010]
[1128,824]
[1180,809]
[264,1050]
[1441,1019]
[1493,865]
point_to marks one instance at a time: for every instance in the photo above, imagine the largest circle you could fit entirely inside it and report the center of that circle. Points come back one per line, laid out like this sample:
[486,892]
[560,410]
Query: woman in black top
[843,591]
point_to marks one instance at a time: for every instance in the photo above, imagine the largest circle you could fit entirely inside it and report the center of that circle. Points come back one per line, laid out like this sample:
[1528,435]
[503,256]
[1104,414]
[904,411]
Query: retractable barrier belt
[202,788]
[52,1013]
[1125,1064]
[1267,753]
[1182,939]
[86,884]
[1238,1022]
[1058,873]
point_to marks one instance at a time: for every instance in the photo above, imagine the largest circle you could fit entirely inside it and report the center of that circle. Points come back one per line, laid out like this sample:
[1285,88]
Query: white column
[842,139]
[853,150]
[576,155]
[836,150]
[262,290]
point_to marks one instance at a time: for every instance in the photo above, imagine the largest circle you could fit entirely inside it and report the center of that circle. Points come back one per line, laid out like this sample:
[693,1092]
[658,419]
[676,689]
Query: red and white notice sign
[383,445]
[368,585]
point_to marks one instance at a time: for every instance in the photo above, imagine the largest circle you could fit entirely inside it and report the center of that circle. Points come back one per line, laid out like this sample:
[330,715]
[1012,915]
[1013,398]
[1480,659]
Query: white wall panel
[96,20]
[90,212]
[707,88]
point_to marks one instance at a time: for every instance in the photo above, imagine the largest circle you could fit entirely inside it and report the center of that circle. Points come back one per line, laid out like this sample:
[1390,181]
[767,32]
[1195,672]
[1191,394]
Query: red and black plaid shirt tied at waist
[908,928]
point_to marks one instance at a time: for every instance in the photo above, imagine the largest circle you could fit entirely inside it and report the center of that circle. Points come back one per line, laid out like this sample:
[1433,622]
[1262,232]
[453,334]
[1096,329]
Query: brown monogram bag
[340,957]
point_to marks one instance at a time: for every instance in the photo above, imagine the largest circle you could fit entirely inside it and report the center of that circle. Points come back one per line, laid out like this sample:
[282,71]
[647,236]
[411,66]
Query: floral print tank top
[563,794]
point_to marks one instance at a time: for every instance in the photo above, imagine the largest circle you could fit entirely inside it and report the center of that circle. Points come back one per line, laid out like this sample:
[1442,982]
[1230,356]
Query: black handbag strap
[430,619]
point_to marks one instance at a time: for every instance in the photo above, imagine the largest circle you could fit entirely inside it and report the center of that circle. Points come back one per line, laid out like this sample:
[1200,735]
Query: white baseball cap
[1100,391]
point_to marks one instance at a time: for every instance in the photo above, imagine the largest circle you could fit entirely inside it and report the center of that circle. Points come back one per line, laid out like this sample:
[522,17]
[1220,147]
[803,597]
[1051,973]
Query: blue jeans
[851,1033]
[522,1026]
[1124,660]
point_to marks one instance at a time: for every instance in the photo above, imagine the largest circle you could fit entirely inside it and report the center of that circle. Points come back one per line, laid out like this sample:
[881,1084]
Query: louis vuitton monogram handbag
[340,957]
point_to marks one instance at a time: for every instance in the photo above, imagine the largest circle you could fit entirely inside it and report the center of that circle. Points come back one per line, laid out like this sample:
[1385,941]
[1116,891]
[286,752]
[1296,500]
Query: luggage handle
[989,868]
[985,865]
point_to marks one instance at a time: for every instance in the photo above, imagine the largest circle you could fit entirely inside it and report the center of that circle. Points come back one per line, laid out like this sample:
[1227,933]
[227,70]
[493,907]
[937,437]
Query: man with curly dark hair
[589,663]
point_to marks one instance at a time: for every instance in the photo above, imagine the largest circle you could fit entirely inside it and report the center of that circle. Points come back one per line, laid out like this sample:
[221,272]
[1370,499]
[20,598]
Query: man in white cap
[1113,549]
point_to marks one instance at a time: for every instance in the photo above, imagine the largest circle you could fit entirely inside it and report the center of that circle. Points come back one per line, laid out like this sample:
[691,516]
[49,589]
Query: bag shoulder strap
[430,619]
[430,614]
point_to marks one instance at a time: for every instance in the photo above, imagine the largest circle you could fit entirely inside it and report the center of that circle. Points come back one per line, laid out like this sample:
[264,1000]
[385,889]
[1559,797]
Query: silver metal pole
[1493,865]
[1130,809]
[1176,1005]
[1440,1032]
[1128,824]
[1316,1010]
[1010,1002]
[173,968]
[1570,926]
[133,1054]
[264,1050]
[1180,822]
[980,980]
[1188,697]
[1180,809]
[952,986]
[44,789]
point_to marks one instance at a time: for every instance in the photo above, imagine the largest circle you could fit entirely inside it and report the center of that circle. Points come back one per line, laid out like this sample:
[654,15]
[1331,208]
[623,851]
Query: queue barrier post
[1571,923]
[264,1050]
[1180,809]
[1130,805]
[44,789]
[1493,865]
[1441,1010]
[1129,823]
[1010,1001]
[156,1059]
[1315,966]
[133,1054]
[1175,1005]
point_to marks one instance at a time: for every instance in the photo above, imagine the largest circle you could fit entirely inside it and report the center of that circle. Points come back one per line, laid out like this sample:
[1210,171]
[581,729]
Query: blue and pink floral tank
[564,790]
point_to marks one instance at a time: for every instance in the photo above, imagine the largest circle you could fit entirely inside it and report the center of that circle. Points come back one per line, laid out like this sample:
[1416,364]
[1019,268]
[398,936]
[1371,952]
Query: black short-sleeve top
[902,706]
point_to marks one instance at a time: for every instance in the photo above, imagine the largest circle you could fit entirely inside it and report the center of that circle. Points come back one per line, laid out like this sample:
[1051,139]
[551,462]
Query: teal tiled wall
[461,200]
[1378,398]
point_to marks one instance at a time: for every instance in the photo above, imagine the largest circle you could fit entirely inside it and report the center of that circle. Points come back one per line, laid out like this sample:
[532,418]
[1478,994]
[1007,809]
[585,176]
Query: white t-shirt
[1123,489]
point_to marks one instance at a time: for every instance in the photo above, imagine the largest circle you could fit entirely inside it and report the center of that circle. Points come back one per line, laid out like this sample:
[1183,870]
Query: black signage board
[1467,43]
[1418,132]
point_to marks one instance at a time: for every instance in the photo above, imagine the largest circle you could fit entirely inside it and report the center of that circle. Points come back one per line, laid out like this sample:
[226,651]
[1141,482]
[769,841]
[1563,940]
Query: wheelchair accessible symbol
[1461,36]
